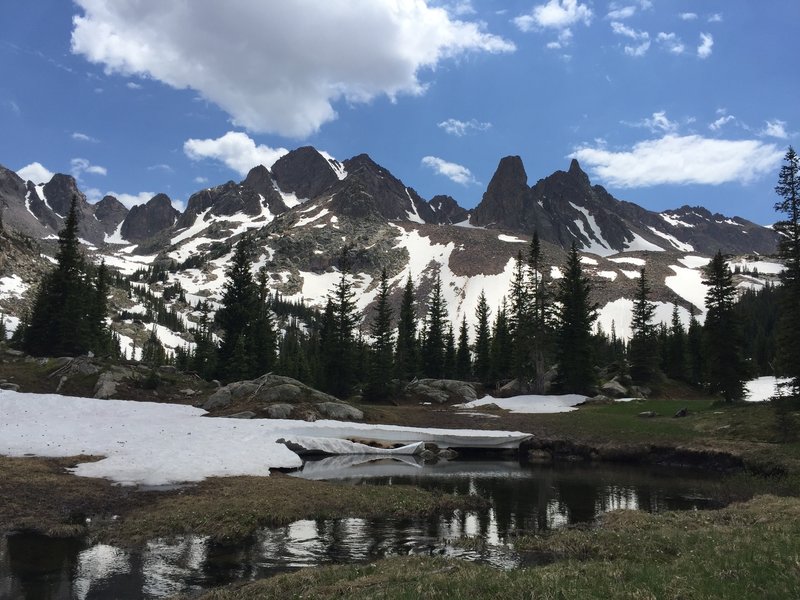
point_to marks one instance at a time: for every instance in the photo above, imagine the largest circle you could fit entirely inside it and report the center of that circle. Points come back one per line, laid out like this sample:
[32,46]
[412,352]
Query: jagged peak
[511,168]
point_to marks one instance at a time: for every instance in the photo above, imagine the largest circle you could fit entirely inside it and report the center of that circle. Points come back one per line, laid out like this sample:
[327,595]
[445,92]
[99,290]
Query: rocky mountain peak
[447,210]
[59,192]
[147,220]
[506,201]
[110,212]
[259,179]
[304,172]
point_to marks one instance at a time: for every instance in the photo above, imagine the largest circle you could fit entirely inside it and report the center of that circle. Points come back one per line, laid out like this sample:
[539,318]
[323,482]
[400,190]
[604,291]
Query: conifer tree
[575,316]
[292,358]
[463,359]
[502,346]
[788,351]
[339,351]
[449,353]
[433,351]
[381,370]
[676,356]
[153,353]
[64,319]
[726,370]
[694,344]
[483,340]
[406,350]
[643,348]
[520,321]
[204,358]
[541,316]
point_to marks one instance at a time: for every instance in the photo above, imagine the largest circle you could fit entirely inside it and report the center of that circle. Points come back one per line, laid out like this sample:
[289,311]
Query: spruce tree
[483,340]
[788,350]
[65,319]
[726,370]
[643,348]
[204,359]
[694,344]
[433,351]
[340,350]
[541,317]
[449,353]
[406,350]
[520,317]
[237,316]
[502,346]
[381,371]
[676,361]
[463,359]
[575,317]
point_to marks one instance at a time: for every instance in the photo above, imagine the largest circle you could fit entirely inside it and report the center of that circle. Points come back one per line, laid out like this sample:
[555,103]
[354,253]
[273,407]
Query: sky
[663,102]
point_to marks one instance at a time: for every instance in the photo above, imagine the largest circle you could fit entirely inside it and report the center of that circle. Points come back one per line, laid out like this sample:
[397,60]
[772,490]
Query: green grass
[746,551]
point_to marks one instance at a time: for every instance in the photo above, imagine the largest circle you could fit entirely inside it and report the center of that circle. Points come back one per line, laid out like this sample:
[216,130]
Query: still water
[525,499]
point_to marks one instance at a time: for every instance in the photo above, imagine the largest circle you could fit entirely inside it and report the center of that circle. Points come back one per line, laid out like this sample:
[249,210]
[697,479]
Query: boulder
[219,399]
[441,390]
[681,413]
[278,411]
[614,389]
[339,411]
[648,414]
[640,391]
[11,387]
[106,385]
[598,400]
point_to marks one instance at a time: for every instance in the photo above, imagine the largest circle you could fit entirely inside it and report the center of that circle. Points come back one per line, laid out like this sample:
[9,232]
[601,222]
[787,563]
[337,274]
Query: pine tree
[676,355]
[449,353]
[406,350]
[541,317]
[463,359]
[433,351]
[339,350]
[381,370]
[694,343]
[237,316]
[64,319]
[575,316]
[643,349]
[788,351]
[520,317]
[262,338]
[483,340]
[726,371]
[502,346]
[204,359]
[153,353]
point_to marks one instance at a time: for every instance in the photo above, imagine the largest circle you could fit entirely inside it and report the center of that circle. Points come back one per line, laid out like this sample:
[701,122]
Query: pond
[525,498]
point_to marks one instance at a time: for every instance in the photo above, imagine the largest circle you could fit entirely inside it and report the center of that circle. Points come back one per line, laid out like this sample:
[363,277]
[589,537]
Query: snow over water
[158,443]
[530,404]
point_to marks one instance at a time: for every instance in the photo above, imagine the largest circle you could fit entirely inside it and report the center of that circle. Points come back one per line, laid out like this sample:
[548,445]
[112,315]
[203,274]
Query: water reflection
[525,499]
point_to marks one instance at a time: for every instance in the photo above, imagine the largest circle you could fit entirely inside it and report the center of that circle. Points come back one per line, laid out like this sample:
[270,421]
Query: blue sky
[664,102]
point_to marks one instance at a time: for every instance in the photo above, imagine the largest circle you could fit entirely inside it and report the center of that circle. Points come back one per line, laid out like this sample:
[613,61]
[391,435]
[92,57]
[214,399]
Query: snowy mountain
[308,205]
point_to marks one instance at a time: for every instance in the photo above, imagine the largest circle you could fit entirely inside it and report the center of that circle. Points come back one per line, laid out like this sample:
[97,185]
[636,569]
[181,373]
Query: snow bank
[531,404]
[157,444]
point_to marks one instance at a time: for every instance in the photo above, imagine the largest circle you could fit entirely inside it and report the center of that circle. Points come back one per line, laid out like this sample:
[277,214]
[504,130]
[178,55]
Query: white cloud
[688,16]
[461,8]
[658,122]
[131,200]
[132,85]
[462,128]
[235,149]
[681,160]
[721,122]
[620,12]
[161,167]
[775,128]
[639,36]
[556,14]
[14,108]
[79,166]
[715,18]
[455,172]
[82,137]
[201,180]
[35,172]
[706,44]
[671,42]
[289,62]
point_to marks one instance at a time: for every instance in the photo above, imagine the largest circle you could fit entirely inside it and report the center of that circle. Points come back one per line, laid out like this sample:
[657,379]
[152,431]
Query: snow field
[530,404]
[157,443]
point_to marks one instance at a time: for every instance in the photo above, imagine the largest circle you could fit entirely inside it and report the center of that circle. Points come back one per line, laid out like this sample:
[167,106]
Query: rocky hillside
[307,206]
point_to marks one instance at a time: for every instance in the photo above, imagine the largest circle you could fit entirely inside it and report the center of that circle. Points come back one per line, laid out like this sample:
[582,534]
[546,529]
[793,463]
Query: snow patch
[641,244]
[694,262]
[510,238]
[639,262]
[688,284]
[530,404]
[12,286]
[116,237]
[597,244]
[679,245]
[763,388]
[413,214]
[675,221]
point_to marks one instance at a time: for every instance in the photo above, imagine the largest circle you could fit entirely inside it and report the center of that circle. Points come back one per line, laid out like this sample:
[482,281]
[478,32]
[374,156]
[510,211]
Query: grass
[233,508]
[745,551]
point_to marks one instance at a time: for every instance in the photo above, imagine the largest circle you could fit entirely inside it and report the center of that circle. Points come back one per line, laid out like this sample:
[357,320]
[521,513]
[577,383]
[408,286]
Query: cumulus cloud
[132,85]
[706,44]
[715,18]
[462,128]
[642,37]
[79,166]
[455,172]
[775,128]
[235,149]
[288,63]
[82,137]
[682,160]
[201,180]
[671,42]
[688,16]
[556,14]
[35,172]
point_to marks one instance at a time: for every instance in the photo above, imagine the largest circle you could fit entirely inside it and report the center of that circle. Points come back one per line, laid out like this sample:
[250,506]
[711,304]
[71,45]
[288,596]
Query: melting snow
[764,267]
[531,404]
[639,262]
[674,221]
[306,220]
[12,286]
[510,238]
[116,237]
[694,262]
[639,243]
[612,275]
[597,244]
[413,214]
[679,245]
[159,443]
[688,284]
[620,312]
[763,388]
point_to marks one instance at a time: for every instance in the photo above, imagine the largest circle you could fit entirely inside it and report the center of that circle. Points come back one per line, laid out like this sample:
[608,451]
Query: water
[525,499]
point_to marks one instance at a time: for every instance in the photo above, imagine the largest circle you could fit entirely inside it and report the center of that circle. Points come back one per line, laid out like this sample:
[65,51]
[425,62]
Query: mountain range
[302,210]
